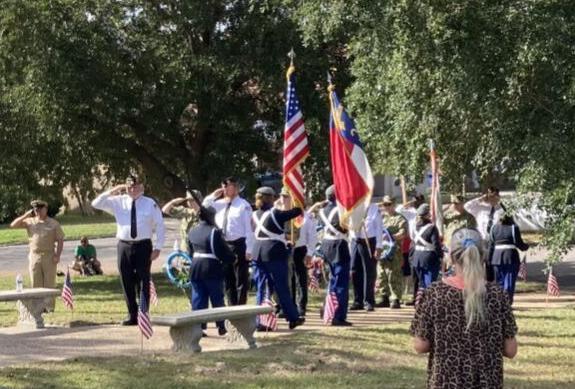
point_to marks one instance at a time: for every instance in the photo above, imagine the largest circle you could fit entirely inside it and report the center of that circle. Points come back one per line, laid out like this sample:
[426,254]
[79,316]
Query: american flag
[144,322]
[296,147]
[523,269]
[350,168]
[418,296]
[153,293]
[435,199]
[552,284]
[67,294]
[331,305]
[269,320]
[313,283]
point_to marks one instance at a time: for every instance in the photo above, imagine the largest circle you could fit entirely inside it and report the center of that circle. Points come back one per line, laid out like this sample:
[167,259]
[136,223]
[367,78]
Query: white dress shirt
[148,217]
[373,226]
[307,234]
[410,214]
[481,211]
[239,223]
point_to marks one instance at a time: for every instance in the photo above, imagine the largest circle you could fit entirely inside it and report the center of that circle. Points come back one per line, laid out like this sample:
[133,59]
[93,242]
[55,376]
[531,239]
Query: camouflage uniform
[189,218]
[390,276]
[454,220]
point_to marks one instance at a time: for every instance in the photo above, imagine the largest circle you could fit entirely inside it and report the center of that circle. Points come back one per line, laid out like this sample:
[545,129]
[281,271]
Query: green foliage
[491,82]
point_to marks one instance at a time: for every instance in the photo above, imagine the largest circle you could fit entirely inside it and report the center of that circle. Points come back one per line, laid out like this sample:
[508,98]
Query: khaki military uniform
[42,235]
[390,277]
[453,221]
[188,219]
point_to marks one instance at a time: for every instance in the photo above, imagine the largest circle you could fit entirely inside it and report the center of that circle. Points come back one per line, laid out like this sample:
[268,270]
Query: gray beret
[266,190]
[423,210]
[330,191]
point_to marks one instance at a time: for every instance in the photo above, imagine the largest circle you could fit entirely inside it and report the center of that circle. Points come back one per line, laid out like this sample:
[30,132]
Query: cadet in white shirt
[487,211]
[137,218]
[366,248]
[234,217]
[305,240]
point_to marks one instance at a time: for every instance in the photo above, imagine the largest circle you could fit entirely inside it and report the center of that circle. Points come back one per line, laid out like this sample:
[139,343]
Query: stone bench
[186,328]
[31,304]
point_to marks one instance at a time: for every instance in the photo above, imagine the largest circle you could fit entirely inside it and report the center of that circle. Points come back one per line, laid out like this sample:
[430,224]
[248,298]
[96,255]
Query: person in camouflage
[456,217]
[391,276]
[185,209]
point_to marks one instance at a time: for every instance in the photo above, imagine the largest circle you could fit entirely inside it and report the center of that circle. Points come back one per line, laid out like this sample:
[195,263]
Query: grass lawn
[375,357]
[74,226]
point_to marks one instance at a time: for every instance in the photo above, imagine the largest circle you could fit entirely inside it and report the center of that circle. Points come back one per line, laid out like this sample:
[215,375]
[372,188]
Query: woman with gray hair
[465,323]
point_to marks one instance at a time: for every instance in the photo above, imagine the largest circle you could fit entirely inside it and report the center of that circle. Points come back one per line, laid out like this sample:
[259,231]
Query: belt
[423,248]
[205,255]
[136,241]
[239,240]
[363,240]
[505,247]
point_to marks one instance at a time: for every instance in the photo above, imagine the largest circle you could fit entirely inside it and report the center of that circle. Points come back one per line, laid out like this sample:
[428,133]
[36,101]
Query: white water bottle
[19,283]
[176,245]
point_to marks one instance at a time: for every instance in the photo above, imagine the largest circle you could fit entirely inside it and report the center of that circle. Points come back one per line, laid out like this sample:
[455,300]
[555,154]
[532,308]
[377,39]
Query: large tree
[492,82]
[190,90]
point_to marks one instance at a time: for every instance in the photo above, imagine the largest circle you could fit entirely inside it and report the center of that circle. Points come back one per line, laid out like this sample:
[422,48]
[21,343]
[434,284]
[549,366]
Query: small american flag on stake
[313,284]
[331,305]
[552,284]
[144,322]
[418,296]
[153,293]
[523,269]
[269,320]
[67,294]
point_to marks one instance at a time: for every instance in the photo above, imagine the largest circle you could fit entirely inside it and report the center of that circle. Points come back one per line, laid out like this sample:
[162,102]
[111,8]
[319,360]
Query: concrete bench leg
[30,312]
[186,338]
[246,327]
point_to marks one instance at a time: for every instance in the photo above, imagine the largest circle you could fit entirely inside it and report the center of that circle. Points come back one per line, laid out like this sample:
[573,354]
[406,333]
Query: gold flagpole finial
[291,56]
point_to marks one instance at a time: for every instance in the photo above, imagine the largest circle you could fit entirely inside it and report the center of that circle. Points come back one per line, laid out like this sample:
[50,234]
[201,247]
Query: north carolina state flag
[350,168]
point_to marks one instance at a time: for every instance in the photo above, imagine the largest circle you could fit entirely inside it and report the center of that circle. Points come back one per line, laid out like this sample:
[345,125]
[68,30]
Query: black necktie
[225,223]
[133,222]
[490,221]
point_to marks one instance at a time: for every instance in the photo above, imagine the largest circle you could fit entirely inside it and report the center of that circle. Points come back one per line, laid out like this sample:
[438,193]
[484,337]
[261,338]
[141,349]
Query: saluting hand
[118,189]
[155,255]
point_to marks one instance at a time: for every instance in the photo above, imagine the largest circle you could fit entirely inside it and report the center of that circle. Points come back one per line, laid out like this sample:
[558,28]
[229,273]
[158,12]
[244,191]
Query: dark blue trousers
[506,277]
[273,276]
[427,274]
[364,271]
[339,284]
[203,290]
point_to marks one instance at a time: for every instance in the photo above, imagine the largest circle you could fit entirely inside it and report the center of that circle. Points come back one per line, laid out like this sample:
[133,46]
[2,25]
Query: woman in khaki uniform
[43,234]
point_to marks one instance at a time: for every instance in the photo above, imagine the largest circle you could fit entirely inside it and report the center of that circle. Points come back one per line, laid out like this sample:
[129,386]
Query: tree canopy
[193,90]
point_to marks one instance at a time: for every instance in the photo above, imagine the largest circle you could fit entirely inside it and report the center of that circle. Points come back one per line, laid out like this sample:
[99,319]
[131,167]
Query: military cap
[423,210]
[38,203]
[266,190]
[388,200]
[330,191]
[285,191]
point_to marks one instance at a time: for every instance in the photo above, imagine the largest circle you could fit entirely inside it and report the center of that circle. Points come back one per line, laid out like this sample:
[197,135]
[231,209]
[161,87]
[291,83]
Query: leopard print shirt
[462,358]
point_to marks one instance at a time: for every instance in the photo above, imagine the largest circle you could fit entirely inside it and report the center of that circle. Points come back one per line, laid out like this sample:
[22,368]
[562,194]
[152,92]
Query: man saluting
[137,218]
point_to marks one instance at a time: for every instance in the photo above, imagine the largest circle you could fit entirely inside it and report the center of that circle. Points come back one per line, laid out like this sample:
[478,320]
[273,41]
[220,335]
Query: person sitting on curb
[85,260]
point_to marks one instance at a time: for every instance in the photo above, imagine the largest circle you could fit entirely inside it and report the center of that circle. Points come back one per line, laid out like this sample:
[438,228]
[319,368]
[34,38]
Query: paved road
[13,259]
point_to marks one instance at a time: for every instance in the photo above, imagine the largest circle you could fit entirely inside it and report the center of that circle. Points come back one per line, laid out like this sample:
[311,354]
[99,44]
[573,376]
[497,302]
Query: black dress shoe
[130,322]
[298,322]
[222,331]
[369,308]
[395,304]
[204,335]
[356,307]
[340,323]
[410,303]
[384,302]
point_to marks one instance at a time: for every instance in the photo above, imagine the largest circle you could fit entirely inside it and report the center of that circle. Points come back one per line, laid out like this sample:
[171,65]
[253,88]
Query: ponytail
[474,286]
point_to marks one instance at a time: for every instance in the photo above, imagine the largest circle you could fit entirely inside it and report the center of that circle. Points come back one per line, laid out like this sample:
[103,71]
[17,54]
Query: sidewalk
[60,343]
